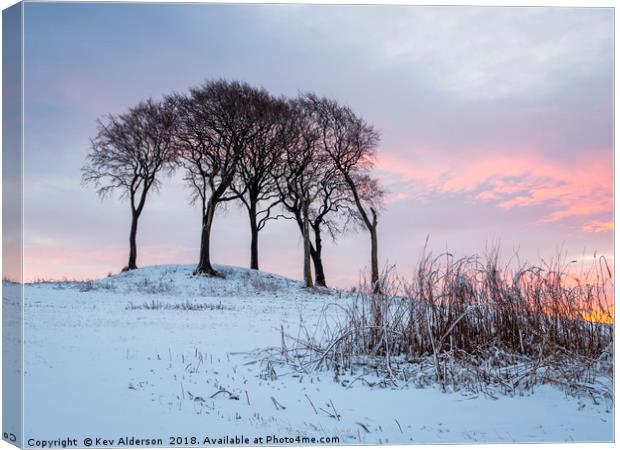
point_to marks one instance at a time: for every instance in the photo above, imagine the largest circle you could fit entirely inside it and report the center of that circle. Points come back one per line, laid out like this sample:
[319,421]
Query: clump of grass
[162,286]
[264,285]
[185,306]
[87,286]
[10,280]
[471,323]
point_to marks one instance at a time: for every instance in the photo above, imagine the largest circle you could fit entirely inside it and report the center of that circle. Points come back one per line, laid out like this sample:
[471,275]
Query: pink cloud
[598,226]
[573,188]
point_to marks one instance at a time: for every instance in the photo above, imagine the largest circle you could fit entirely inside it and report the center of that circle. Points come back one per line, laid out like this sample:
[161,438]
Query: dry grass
[185,306]
[469,323]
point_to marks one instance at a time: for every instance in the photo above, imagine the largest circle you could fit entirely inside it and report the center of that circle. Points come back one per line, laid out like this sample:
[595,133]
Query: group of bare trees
[306,159]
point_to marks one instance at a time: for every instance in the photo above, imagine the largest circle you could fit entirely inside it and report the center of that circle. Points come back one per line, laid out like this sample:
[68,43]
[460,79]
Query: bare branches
[350,145]
[255,185]
[130,149]
[128,154]
[218,122]
[308,158]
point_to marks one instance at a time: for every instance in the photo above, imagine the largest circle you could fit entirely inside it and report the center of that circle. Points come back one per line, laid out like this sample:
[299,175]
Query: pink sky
[496,126]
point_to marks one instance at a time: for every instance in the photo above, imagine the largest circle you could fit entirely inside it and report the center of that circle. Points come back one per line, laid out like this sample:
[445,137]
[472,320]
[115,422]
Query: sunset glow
[485,141]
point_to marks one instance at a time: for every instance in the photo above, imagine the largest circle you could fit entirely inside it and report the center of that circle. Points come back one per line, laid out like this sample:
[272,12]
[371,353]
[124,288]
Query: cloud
[470,52]
[582,188]
[598,226]
[495,122]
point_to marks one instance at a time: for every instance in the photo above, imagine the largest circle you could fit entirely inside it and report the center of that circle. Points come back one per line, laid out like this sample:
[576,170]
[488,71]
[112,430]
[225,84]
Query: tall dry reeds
[471,321]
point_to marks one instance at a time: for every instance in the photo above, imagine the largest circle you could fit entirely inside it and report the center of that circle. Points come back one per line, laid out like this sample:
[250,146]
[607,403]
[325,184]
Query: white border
[565,3]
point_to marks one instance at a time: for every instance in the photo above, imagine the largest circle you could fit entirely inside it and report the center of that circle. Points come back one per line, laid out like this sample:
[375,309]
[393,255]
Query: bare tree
[312,189]
[330,211]
[128,154]
[255,184]
[218,120]
[296,178]
[351,145]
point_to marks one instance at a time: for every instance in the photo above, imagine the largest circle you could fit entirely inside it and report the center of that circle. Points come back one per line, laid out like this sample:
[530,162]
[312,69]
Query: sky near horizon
[496,124]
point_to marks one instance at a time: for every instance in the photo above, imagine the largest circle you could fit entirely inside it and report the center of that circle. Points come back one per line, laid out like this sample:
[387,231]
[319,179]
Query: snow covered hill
[157,353]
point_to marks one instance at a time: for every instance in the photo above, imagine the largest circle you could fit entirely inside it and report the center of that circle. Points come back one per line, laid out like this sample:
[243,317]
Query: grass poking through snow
[471,324]
[185,306]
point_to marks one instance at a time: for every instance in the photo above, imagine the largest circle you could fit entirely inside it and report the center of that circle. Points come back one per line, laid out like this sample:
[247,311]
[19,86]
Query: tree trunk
[315,252]
[374,257]
[306,234]
[372,229]
[133,248]
[254,242]
[204,265]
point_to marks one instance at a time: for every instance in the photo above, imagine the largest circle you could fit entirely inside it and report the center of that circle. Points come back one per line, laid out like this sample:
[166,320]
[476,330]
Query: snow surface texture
[158,353]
